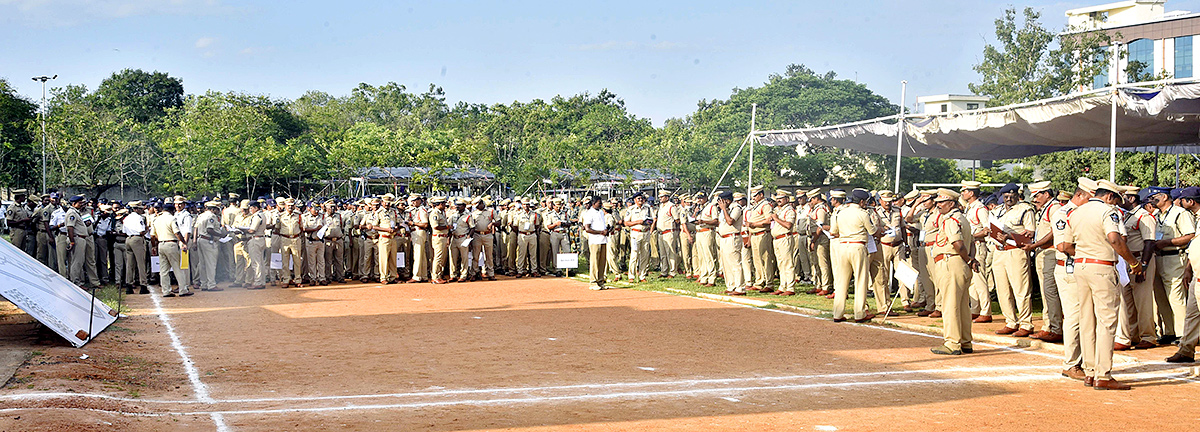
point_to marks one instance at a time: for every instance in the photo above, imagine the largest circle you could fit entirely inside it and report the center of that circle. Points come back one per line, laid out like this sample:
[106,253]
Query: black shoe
[944,350]
[143,290]
[1168,339]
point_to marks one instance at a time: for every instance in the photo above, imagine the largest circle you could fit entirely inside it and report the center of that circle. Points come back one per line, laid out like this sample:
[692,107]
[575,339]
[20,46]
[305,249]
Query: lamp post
[43,79]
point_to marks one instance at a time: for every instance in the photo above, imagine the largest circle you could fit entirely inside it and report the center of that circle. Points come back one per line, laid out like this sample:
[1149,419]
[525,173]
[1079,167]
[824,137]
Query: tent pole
[1112,140]
[900,133]
[750,175]
[730,165]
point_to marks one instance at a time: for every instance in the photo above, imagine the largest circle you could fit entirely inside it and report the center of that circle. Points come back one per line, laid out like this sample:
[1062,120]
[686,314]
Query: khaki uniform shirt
[462,223]
[335,225]
[310,221]
[724,228]
[977,215]
[759,213]
[892,225]
[787,213]
[1090,225]
[1044,226]
[639,214]
[438,218]
[164,229]
[1139,227]
[951,228]
[1175,222]
[289,224]
[74,219]
[481,220]
[669,215]
[851,223]
[1061,223]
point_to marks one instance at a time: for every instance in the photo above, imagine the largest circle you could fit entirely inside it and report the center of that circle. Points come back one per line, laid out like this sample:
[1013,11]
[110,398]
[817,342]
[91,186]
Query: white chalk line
[543,399]
[692,382]
[193,374]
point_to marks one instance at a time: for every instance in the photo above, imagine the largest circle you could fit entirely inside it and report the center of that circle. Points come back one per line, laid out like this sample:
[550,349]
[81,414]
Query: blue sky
[661,57]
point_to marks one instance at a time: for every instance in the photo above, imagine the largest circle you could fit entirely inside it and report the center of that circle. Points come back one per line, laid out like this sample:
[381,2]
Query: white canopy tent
[1126,117]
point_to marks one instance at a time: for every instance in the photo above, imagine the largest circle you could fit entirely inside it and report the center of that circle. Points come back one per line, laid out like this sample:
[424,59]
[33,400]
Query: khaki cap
[20,191]
[969,184]
[816,192]
[887,195]
[1107,185]
[1087,184]
[180,200]
[1039,186]
[929,192]
[1064,195]
[233,196]
[607,205]
[738,196]
[837,194]
[664,192]
[245,204]
[782,194]
[756,190]
[1130,190]
[944,194]
[437,200]
[912,195]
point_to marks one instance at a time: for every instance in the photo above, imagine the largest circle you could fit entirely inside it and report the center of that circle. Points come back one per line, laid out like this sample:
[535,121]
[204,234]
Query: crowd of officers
[962,244]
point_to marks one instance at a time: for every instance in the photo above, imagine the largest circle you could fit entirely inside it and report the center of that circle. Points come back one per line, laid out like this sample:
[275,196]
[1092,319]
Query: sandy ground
[547,354]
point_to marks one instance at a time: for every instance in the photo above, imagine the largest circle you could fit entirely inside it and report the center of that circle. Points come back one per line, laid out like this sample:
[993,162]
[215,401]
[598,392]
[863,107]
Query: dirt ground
[547,354]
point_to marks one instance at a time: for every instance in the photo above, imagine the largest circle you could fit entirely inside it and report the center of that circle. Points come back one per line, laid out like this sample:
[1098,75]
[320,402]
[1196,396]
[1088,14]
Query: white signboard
[399,259]
[51,299]
[277,261]
[568,261]
[154,264]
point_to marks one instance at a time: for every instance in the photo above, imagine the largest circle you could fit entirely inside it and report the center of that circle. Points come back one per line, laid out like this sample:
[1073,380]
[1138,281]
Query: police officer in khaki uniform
[209,229]
[667,223]
[707,254]
[729,242]
[168,244]
[1064,273]
[19,218]
[783,240]
[335,248]
[483,222]
[758,223]
[289,243]
[850,226]
[1190,200]
[979,219]
[76,243]
[556,222]
[1137,299]
[640,220]
[1044,261]
[524,222]
[953,267]
[891,239]
[1010,265]
[420,240]
[1176,228]
[1098,239]
[818,244]
[440,224]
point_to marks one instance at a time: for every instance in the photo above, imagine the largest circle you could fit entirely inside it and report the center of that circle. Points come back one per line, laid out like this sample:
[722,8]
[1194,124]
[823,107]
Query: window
[945,107]
[972,106]
[1183,57]
[1141,60]
[1101,79]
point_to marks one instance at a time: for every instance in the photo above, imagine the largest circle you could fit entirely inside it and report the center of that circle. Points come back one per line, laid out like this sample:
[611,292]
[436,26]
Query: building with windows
[951,103]
[1160,42]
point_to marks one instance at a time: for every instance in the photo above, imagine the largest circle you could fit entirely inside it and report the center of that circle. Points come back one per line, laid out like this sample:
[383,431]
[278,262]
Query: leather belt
[484,232]
[386,236]
[1094,261]
[783,235]
[1006,247]
[441,235]
[940,257]
[1169,252]
[527,232]
[289,236]
[700,230]
[667,231]
[639,230]
[853,242]
[893,244]
[728,235]
[459,236]
[928,244]
[758,233]
[1060,262]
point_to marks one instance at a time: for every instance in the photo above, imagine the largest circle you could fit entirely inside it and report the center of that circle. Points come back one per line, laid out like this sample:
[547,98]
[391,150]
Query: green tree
[1016,71]
[140,95]
[19,151]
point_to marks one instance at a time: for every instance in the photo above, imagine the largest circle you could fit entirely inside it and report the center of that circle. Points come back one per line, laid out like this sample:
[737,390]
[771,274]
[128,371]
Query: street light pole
[43,79]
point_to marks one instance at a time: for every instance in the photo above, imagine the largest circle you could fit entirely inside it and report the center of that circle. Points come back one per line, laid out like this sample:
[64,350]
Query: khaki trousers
[850,261]
[45,253]
[1170,294]
[558,244]
[597,261]
[1010,269]
[77,259]
[61,243]
[763,256]
[1097,286]
[483,247]
[803,257]
[882,264]
[289,249]
[785,249]
[731,259]
[170,259]
[366,257]
[543,253]
[611,256]
[526,253]
[639,255]
[241,259]
[1052,313]
[441,255]
[823,273]
[385,257]
[707,256]
[335,270]
[929,291]
[512,260]
[1068,293]
[314,256]
[460,257]
[89,260]
[981,283]
[954,276]
[135,261]
[1191,323]
[1136,320]
[668,256]
[208,264]
[420,255]
[687,256]
[118,260]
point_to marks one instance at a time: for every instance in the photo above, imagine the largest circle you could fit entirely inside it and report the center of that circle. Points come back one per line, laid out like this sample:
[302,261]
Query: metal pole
[750,175]
[1112,140]
[730,165]
[900,133]
[43,136]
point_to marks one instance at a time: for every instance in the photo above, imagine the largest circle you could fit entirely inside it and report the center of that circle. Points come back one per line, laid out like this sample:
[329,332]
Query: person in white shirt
[594,223]
[134,227]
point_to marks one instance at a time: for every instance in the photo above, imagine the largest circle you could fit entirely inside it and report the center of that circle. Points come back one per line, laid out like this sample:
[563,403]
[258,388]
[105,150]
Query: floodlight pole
[750,176]
[43,79]
[1112,139]
[900,133]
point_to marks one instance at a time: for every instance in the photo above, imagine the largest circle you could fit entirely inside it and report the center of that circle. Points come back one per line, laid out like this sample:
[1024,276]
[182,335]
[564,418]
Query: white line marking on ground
[193,374]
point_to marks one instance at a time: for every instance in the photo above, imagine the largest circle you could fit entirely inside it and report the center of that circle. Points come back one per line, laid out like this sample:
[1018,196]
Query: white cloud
[205,42]
[60,13]
[249,51]
[629,45]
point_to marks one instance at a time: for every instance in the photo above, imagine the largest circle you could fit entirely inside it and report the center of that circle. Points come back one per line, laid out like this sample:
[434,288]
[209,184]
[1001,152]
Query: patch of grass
[36,353]
[111,295]
[134,394]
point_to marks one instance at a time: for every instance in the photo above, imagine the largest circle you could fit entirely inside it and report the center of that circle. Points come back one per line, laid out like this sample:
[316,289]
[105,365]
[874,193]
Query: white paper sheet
[400,260]
[467,242]
[225,239]
[1122,272]
[277,261]
[906,274]
[871,246]
[154,264]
